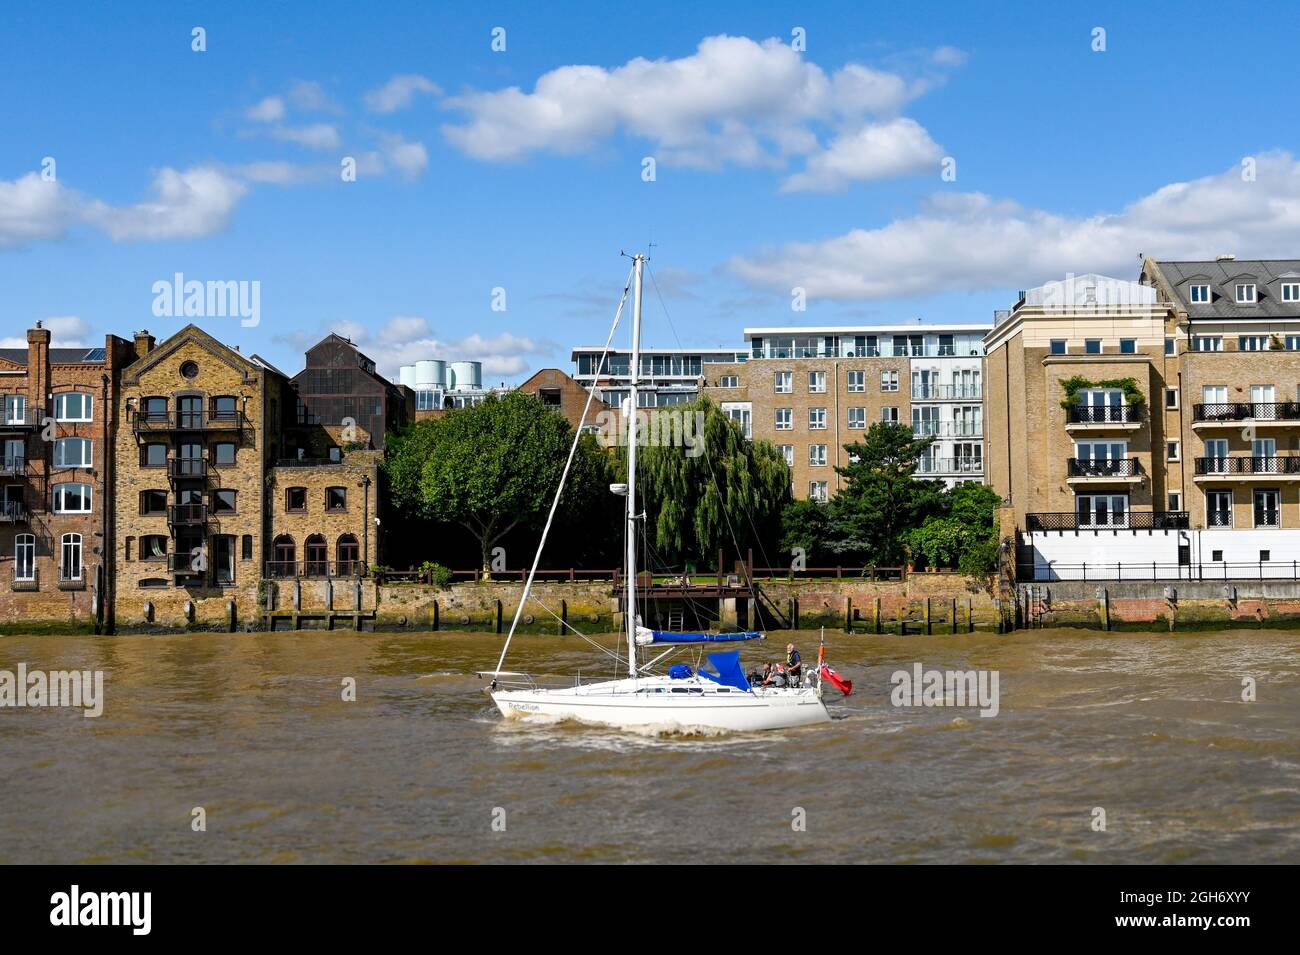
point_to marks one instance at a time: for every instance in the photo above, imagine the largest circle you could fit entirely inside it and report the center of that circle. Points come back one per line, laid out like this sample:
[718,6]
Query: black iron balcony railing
[187,514]
[182,468]
[211,420]
[185,561]
[1218,519]
[13,465]
[1104,414]
[1124,520]
[67,582]
[287,569]
[29,420]
[12,512]
[1247,411]
[1110,467]
[31,580]
[1273,464]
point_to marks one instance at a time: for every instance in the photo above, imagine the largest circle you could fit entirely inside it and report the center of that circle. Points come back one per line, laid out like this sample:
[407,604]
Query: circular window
[190,370]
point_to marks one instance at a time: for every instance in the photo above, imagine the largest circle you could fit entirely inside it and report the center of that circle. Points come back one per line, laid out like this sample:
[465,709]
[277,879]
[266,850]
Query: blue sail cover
[729,671]
[663,636]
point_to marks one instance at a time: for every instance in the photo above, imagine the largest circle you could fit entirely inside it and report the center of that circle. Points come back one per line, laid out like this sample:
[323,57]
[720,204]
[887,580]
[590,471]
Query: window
[889,414]
[223,501]
[72,452]
[153,547]
[153,456]
[1198,294]
[1092,346]
[729,381]
[70,557]
[857,418]
[1267,511]
[1058,346]
[1128,346]
[295,499]
[285,563]
[246,547]
[25,557]
[1252,343]
[336,453]
[189,369]
[153,409]
[817,491]
[1291,291]
[1175,501]
[1216,555]
[336,499]
[1171,397]
[1171,347]
[348,554]
[72,406]
[784,419]
[72,499]
[784,382]
[817,455]
[15,409]
[947,345]
[857,381]
[1171,452]
[816,419]
[925,420]
[787,452]
[1207,342]
[1263,555]
[889,381]
[225,408]
[816,382]
[1246,293]
[315,555]
[742,413]
[153,502]
[1102,510]
[1293,343]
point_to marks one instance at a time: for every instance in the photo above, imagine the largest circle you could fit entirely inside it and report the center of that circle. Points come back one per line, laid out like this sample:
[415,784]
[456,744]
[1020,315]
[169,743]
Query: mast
[630,596]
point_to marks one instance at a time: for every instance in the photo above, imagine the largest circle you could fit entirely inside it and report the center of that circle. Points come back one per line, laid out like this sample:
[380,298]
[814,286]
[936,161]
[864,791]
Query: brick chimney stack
[144,343]
[38,367]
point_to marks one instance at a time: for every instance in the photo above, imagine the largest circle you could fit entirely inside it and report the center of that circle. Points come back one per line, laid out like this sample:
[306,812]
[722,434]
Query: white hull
[669,704]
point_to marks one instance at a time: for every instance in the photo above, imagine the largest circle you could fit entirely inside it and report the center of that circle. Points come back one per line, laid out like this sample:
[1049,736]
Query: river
[1150,729]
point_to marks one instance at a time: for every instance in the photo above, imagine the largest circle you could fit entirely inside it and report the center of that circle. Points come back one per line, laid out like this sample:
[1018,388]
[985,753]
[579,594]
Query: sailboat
[683,698]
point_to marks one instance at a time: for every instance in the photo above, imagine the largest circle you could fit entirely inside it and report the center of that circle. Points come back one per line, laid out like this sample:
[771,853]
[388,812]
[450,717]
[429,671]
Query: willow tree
[703,485]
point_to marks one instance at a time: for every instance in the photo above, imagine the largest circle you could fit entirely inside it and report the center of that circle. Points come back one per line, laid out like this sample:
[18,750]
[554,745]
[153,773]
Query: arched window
[349,556]
[25,557]
[70,557]
[316,557]
[285,563]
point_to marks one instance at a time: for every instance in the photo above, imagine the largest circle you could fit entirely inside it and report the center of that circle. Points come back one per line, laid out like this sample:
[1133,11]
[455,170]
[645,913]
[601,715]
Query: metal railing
[1109,467]
[947,392]
[1128,520]
[27,583]
[187,468]
[1104,414]
[1246,411]
[1272,464]
[950,466]
[187,514]
[30,418]
[1103,571]
[72,583]
[289,569]
[13,465]
[210,420]
[947,429]
[13,512]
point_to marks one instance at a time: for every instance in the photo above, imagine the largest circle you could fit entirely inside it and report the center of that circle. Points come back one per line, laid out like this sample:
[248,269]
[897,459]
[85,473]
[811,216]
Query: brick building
[55,477]
[562,393]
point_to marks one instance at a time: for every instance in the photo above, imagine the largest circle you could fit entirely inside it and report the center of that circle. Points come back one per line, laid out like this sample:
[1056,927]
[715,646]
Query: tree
[965,536]
[806,525]
[490,468]
[731,492]
[881,499]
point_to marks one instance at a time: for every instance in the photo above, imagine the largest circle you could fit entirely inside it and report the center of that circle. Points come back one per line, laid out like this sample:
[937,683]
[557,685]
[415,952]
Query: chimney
[38,366]
[144,343]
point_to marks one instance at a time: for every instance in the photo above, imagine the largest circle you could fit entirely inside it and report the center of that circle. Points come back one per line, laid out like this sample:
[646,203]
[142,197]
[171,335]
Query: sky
[893,161]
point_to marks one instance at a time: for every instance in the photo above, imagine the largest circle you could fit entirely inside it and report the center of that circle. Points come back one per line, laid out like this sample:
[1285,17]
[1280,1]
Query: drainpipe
[105,502]
[365,518]
[839,479]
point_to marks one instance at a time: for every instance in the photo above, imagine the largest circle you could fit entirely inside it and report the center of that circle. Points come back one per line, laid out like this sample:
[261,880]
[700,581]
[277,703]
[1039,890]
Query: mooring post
[498,602]
[970,616]
[953,614]
[1103,607]
[875,616]
[564,617]
[848,614]
[929,628]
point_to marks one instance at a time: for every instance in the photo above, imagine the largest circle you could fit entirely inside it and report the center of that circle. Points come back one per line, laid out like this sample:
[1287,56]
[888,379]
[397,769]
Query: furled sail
[645,637]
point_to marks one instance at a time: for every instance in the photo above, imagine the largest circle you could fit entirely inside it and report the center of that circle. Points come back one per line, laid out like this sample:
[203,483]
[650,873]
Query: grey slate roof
[58,356]
[1268,275]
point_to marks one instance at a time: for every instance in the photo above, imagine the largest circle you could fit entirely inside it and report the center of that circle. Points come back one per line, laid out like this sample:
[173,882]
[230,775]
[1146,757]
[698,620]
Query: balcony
[947,429]
[187,515]
[947,393]
[13,466]
[27,584]
[144,422]
[186,469]
[12,512]
[1233,413]
[29,420]
[183,563]
[72,583]
[973,467]
[1103,418]
[1103,471]
[314,569]
[1246,467]
[1127,520]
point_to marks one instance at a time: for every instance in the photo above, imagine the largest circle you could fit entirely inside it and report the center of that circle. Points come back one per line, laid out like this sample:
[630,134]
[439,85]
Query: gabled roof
[1221,275]
[192,333]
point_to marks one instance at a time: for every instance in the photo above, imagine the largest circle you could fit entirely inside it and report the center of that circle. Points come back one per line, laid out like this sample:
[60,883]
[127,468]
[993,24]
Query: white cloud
[399,91]
[899,147]
[32,208]
[66,331]
[409,158]
[186,205]
[315,136]
[732,101]
[279,173]
[269,110]
[308,95]
[973,241]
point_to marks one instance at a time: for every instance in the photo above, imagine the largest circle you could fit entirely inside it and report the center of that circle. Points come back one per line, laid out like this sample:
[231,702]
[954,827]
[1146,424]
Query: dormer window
[1245,293]
[1198,294]
[1291,291]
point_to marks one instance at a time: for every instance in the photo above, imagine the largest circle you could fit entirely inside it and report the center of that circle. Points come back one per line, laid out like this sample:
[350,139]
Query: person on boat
[776,676]
[793,664]
[759,677]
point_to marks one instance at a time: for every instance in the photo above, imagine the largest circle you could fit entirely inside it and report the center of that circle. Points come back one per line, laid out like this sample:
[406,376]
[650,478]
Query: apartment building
[669,376]
[811,391]
[1152,424]
[56,491]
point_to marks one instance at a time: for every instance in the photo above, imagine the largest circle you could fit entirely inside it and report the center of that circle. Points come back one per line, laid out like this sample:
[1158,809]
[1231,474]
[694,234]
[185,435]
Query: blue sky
[774,168]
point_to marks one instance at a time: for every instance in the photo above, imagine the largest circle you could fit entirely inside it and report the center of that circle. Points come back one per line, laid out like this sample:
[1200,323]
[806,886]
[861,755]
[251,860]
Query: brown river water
[1150,728]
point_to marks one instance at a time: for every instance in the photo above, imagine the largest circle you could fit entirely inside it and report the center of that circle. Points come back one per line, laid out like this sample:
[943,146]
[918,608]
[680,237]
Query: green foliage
[881,498]
[964,535]
[695,504]
[436,574]
[1132,393]
[807,525]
